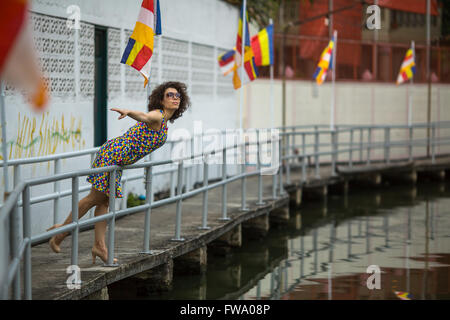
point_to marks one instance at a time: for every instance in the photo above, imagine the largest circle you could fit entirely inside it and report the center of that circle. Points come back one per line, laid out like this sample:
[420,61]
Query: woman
[167,103]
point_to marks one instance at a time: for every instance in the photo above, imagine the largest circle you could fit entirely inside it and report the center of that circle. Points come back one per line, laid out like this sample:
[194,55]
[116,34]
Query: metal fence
[318,146]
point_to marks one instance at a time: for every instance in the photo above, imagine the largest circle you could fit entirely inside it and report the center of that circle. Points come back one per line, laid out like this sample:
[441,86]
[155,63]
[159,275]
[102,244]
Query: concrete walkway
[49,269]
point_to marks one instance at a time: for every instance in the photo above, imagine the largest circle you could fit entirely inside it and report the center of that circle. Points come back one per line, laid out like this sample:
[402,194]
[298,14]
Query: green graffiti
[64,136]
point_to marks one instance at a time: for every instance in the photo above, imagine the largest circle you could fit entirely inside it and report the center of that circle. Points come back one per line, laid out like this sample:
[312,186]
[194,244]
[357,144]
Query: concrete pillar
[432,175]
[224,244]
[295,198]
[279,215]
[367,180]
[101,294]
[339,188]
[194,262]
[315,193]
[157,279]
[409,177]
[256,228]
[296,222]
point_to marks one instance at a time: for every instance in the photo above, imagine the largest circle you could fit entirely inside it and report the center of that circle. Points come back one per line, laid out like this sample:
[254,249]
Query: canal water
[389,243]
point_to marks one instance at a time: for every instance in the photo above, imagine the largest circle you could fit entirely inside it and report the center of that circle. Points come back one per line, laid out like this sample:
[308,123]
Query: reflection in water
[404,231]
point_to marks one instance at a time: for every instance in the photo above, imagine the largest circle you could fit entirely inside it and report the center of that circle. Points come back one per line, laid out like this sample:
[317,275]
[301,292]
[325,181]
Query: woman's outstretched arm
[148,117]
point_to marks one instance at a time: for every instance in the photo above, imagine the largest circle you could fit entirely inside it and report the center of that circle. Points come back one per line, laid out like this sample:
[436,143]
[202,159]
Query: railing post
[316,152]
[433,144]
[112,221]
[172,175]
[411,143]
[350,156]
[179,203]
[281,189]
[334,154]
[260,181]
[192,175]
[74,257]
[369,145]
[92,210]
[205,194]
[361,143]
[15,247]
[288,160]
[57,190]
[27,237]
[387,143]
[304,174]
[244,178]
[274,175]
[148,211]
[224,186]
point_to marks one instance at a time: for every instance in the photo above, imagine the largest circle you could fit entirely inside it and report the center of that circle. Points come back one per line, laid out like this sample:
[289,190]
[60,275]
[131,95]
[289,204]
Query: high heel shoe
[55,247]
[97,253]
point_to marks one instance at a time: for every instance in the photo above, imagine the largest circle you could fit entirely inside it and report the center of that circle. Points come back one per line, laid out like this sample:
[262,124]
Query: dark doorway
[100,97]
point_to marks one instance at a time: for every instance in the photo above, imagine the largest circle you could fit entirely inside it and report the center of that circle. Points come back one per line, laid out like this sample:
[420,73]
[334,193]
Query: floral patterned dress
[136,143]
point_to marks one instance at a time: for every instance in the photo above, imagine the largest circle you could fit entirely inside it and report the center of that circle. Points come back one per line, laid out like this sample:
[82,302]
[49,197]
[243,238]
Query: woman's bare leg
[93,198]
[100,249]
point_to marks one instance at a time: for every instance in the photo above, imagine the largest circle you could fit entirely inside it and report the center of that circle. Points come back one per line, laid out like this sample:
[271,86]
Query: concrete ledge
[157,279]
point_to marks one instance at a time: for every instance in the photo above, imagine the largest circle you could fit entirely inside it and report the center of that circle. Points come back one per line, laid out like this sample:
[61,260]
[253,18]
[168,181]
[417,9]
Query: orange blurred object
[18,62]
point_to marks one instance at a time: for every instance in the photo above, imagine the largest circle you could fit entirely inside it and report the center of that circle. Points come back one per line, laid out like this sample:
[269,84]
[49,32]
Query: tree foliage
[260,11]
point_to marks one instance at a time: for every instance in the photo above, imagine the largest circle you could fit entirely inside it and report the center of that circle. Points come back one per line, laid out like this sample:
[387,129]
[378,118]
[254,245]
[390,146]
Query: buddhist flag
[18,60]
[325,63]
[251,71]
[226,62]
[408,68]
[139,49]
[262,45]
[403,295]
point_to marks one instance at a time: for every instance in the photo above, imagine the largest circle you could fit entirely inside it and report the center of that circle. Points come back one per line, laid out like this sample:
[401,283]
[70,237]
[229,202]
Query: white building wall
[194,34]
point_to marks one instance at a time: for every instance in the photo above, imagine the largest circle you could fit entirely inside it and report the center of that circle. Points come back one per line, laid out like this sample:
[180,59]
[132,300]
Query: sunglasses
[173,95]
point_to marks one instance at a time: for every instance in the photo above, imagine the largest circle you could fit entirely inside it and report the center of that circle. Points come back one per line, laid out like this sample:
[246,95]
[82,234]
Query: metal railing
[21,238]
[326,144]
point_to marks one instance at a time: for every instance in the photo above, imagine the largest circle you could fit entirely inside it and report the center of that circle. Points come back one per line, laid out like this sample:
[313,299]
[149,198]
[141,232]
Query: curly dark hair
[158,95]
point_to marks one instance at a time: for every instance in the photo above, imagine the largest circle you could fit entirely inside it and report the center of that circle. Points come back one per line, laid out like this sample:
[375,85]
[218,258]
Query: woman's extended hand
[123,112]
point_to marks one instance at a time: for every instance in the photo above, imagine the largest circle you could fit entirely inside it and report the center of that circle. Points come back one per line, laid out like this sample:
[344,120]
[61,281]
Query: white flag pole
[411,88]
[272,103]
[4,141]
[333,94]
[241,104]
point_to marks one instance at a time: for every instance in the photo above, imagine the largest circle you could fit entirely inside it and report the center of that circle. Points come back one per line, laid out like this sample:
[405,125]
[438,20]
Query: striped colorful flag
[262,45]
[408,68]
[403,295]
[325,63]
[226,62]
[251,71]
[19,65]
[139,50]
